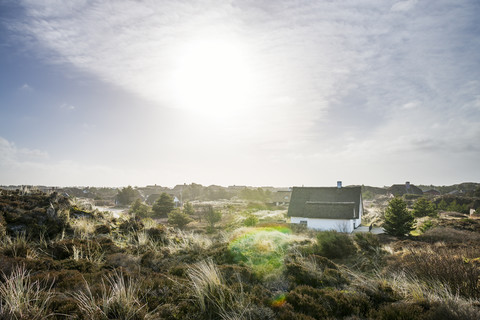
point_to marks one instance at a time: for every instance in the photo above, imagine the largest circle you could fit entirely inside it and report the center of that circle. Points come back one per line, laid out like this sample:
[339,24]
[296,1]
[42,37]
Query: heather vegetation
[230,260]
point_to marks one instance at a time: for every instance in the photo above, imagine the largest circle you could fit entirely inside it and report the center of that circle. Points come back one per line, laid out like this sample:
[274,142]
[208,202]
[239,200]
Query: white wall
[360,215]
[341,225]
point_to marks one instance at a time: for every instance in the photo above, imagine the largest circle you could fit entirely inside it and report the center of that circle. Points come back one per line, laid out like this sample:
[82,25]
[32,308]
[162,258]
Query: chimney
[407,184]
[339,184]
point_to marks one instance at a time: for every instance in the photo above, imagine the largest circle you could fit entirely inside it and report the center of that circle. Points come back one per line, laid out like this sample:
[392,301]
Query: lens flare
[262,248]
[279,300]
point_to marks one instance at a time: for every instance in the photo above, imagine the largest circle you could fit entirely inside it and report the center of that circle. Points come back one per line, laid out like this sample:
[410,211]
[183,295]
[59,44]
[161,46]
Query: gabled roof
[281,196]
[401,189]
[325,202]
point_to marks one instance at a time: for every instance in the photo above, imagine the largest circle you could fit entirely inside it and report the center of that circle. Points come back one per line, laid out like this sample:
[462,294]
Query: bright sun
[213,77]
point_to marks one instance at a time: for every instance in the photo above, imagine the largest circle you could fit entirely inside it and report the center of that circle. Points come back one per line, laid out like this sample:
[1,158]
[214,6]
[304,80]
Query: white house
[327,208]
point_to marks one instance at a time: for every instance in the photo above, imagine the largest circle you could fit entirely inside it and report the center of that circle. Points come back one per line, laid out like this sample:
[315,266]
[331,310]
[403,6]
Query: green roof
[325,202]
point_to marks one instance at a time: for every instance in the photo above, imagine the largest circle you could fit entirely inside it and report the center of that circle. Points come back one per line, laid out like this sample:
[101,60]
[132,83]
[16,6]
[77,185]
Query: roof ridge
[329,202]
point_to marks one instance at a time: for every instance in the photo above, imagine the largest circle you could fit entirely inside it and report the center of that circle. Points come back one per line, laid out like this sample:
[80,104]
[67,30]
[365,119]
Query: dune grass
[22,298]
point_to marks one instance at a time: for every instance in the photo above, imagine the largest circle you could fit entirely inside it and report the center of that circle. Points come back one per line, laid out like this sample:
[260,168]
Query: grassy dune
[60,261]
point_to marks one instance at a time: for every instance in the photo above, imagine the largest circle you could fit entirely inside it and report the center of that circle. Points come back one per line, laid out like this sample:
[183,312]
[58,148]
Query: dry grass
[213,294]
[185,240]
[83,227]
[454,268]
[94,255]
[22,298]
[120,298]
[19,247]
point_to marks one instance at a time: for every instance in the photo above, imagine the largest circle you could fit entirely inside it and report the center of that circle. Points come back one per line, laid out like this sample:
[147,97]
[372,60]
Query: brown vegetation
[61,261]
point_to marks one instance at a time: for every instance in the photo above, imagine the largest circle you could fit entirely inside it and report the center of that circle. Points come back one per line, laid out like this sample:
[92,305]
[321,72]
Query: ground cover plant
[59,260]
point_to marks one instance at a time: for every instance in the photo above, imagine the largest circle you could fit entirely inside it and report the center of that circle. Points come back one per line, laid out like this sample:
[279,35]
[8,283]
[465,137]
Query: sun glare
[213,77]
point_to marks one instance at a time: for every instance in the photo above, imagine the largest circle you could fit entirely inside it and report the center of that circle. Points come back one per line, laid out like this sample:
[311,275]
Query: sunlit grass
[213,294]
[94,255]
[119,299]
[184,240]
[83,227]
[22,298]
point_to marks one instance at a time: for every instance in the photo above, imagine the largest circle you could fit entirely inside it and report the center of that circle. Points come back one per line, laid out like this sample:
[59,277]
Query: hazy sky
[282,93]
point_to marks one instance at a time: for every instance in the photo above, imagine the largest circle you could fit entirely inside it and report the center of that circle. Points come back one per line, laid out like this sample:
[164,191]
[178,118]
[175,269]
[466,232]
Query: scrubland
[61,261]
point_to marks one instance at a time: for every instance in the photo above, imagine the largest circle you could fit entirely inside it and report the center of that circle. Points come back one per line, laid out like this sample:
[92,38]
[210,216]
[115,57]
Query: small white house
[327,208]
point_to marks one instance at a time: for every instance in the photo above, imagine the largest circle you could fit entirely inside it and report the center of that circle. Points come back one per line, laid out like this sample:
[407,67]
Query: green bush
[178,218]
[139,209]
[332,244]
[251,221]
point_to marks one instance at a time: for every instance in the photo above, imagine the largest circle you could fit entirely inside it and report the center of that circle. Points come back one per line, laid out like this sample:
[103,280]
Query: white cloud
[32,166]
[25,88]
[404,5]
[411,105]
[336,81]
[11,154]
[66,106]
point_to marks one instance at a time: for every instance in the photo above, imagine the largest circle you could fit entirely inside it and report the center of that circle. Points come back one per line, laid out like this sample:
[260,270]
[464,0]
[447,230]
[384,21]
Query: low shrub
[367,242]
[315,271]
[452,267]
[131,225]
[158,233]
[332,244]
[328,303]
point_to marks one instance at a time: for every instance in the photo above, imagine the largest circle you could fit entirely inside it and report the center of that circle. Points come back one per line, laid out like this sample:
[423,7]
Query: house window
[303,222]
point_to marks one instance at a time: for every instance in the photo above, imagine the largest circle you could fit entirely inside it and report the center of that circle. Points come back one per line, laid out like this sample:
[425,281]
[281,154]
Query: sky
[262,93]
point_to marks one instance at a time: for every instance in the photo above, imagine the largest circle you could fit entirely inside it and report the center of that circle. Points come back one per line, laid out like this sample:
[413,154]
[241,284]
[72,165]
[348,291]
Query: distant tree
[457,207]
[140,209]
[164,205]
[127,195]
[178,218]
[398,220]
[476,193]
[442,205]
[255,194]
[212,216]
[188,208]
[423,207]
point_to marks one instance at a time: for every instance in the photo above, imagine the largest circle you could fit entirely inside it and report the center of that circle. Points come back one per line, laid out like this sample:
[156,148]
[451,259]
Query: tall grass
[22,298]
[120,298]
[409,287]
[185,240]
[83,227]
[212,293]
[94,255]
[19,246]
[453,267]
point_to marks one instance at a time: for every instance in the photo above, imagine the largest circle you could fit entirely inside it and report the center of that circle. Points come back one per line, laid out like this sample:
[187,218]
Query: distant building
[327,208]
[281,198]
[432,192]
[399,190]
